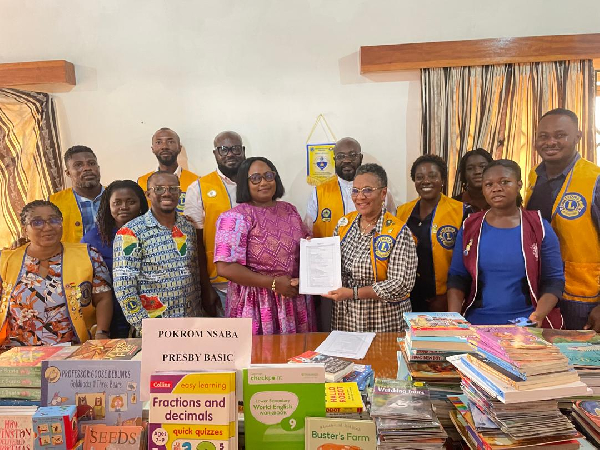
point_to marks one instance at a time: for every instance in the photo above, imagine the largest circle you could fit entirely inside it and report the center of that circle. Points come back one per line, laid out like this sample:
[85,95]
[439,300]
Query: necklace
[363,229]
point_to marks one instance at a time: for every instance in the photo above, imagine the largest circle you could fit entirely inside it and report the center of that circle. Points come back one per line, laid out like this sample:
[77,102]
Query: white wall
[264,68]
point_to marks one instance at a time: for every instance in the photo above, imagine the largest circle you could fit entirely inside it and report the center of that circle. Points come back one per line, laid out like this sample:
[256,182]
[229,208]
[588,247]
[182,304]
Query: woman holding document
[257,248]
[379,260]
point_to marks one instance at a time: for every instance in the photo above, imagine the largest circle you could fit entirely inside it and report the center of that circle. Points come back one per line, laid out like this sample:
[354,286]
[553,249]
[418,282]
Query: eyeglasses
[342,156]
[366,191]
[160,190]
[235,150]
[54,222]
[256,178]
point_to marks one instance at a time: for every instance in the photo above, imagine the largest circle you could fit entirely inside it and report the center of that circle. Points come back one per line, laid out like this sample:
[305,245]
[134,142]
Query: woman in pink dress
[257,248]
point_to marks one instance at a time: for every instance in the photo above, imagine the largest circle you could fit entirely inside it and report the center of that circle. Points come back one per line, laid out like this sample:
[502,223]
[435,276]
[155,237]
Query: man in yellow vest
[166,146]
[208,197]
[566,190]
[330,201]
[79,204]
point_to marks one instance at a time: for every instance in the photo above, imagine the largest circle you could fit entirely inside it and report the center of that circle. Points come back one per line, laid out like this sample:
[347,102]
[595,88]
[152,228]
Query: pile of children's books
[404,417]
[436,331]
[510,389]
[586,414]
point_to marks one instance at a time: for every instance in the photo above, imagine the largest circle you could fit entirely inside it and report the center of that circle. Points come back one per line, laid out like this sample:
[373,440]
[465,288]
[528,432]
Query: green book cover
[277,399]
[327,433]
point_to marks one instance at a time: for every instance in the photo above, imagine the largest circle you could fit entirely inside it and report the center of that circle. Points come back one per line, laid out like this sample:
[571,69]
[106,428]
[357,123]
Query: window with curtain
[30,156]
[498,107]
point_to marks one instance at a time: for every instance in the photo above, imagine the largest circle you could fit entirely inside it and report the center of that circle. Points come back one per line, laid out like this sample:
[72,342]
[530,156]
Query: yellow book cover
[343,398]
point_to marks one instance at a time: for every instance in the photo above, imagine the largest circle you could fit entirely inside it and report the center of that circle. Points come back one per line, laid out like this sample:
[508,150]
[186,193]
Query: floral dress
[38,311]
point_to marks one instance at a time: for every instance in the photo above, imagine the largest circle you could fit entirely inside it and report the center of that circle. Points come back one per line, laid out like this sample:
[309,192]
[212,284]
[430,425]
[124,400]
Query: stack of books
[436,331]
[586,414]
[511,386]
[21,373]
[404,416]
[362,375]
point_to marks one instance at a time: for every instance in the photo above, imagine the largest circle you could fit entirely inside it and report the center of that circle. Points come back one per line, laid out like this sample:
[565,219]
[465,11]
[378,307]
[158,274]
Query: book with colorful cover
[195,410]
[343,398]
[437,324]
[277,399]
[107,349]
[397,398]
[340,434]
[439,343]
[16,428]
[591,410]
[555,336]
[26,361]
[335,368]
[107,437]
[430,371]
[363,375]
[581,355]
[105,392]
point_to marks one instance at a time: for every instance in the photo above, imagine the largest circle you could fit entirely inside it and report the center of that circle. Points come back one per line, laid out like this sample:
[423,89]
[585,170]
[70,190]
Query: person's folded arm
[459,280]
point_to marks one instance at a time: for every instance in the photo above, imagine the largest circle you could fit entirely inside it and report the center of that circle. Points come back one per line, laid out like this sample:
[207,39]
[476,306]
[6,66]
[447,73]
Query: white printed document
[346,344]
[320,265]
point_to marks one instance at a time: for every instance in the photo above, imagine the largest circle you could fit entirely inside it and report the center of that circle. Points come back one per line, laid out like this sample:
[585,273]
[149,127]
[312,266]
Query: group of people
[98,260]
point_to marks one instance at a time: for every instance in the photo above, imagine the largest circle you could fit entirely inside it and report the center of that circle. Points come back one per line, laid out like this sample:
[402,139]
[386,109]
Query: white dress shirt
[194,209]
[346,190]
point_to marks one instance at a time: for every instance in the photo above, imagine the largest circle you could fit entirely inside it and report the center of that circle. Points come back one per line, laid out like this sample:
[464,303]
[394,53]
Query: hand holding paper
[320,265]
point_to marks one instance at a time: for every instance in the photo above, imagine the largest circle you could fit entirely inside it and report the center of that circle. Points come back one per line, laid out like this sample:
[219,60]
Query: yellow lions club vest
[381,244]
[185,180]
[579,239]
[445,223]
[330,208]
[77,277]
[215,200]
[72,221]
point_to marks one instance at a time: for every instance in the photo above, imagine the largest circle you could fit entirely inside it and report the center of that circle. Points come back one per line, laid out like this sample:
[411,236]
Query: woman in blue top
[122,201]
[506,262]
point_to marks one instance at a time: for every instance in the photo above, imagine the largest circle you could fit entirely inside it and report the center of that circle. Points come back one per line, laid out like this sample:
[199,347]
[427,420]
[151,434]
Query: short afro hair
[77,149]
[462,165]
[563,112]
[374,169]
[433,159]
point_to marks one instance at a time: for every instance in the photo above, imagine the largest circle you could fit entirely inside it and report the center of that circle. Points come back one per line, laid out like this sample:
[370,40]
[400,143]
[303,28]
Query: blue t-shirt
[503,287]
[92,237]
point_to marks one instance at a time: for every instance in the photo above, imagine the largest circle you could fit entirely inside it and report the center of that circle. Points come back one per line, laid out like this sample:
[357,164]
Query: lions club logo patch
[446,236]
[383,246]
[85,289]
[326,215]
[572,206]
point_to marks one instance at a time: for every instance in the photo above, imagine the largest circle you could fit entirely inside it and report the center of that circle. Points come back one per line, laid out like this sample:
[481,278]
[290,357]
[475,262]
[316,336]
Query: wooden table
[279,348]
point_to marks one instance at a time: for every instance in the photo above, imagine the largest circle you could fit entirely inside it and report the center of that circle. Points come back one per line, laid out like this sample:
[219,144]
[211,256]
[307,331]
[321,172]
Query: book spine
[506,365]
[20,393]
[343,409]
[491,371]
[35,381]
[20,371]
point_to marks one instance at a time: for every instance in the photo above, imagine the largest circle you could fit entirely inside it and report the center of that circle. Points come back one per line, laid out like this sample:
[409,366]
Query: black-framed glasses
[235,150]
[366,191]
[160,190]
[352,156]
[54,222]
[256,178]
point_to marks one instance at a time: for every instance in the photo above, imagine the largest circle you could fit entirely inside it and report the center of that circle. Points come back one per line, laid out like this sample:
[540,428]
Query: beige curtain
[497,108]
[30,157]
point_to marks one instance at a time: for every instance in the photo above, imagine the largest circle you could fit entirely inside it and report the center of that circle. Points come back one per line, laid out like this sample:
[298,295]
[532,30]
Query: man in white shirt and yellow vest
[79,204]
[166,146]
[330,201]
[208,197]
[565,188]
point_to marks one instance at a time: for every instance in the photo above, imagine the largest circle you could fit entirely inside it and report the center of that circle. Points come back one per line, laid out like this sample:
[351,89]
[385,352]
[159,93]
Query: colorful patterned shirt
[155,269]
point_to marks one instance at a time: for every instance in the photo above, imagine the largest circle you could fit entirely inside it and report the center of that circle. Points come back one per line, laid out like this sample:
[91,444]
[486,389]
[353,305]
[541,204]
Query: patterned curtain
[498,107]
[30,156]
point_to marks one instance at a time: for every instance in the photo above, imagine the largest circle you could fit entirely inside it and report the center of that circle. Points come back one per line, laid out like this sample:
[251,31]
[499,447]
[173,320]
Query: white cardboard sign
[192,343]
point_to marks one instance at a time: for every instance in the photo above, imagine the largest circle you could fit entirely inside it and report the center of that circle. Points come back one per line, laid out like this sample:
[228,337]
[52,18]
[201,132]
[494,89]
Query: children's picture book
[193,411]
[591,409]
[343,398]
[555,336]
[396,398]
[26,361]
[362,375]
[437,324]
[108,349]
[55,427]
[335,368]
[277,399]
[109,437]
[104,392]
[340,434]
[16,428]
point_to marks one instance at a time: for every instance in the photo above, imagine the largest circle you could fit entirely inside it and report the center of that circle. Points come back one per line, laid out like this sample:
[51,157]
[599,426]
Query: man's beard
[229,172]
[344,176]
[167,161]
[88,184]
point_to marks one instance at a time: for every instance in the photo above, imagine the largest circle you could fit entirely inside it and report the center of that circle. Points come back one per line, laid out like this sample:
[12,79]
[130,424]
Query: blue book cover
[104,391]
[581,354]
[505,365]
[362,375]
